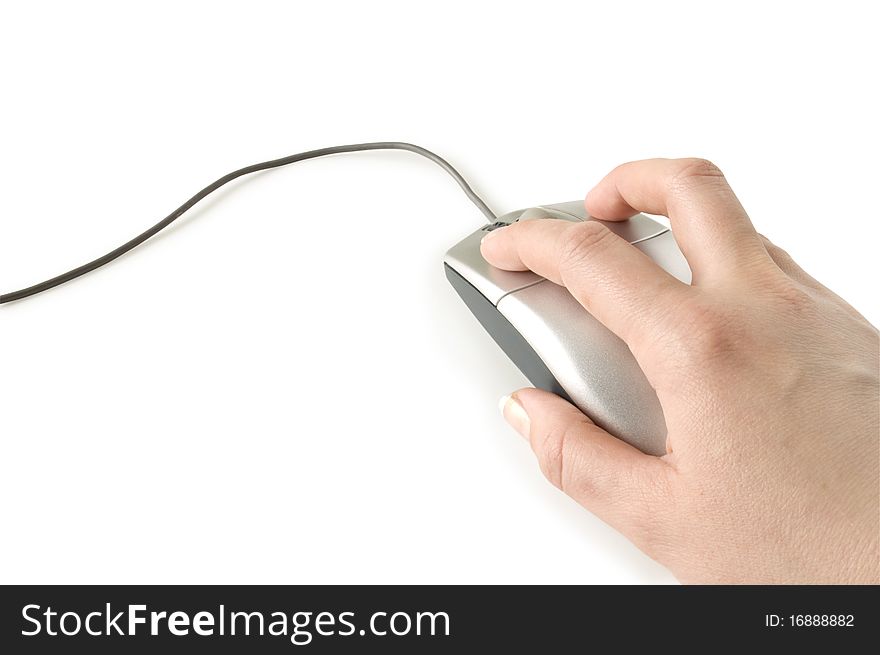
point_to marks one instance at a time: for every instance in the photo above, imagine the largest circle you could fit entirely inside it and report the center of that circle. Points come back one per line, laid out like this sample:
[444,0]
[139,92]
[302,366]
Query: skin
[769,384]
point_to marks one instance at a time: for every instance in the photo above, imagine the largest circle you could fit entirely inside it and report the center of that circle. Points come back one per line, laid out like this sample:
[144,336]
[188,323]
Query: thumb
[621,485]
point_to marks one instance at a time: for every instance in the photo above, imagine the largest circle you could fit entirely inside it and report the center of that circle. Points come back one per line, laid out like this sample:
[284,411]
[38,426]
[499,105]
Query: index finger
[613,280]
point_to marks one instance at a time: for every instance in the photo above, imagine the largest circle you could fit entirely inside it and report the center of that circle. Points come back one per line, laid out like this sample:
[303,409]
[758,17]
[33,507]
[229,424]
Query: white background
[283,388]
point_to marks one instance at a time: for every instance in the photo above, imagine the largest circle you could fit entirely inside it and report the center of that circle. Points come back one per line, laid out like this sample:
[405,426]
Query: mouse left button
[533,214]
[466,259]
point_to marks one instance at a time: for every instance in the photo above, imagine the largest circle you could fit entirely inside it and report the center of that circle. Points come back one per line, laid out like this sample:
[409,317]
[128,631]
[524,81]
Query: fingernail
[514,414]
[490,234]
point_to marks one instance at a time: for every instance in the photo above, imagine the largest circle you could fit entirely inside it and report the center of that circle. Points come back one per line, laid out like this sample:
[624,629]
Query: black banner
[325,619]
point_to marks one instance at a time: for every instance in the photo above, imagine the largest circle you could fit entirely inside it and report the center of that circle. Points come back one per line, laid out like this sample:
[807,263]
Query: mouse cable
[275,163]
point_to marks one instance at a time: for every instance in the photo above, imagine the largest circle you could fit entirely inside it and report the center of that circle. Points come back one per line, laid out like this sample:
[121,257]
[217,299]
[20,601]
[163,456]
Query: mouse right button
[664,250]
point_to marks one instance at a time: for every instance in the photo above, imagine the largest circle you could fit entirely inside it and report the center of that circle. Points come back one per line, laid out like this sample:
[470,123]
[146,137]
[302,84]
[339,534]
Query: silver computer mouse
[554,341]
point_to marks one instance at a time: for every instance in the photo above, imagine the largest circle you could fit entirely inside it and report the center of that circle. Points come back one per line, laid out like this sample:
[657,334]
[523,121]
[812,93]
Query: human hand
[769,384]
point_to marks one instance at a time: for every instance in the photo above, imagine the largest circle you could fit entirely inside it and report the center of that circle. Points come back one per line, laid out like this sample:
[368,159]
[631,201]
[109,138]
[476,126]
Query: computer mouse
[554,341]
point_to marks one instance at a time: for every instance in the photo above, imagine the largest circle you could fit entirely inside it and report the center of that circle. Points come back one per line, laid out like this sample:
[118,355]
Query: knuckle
[698,167]
[551,454]
[781,258]
[784,261]
[693,172]
[710,332]
[555,454]
[792,298]
[776,253]
[579,242]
